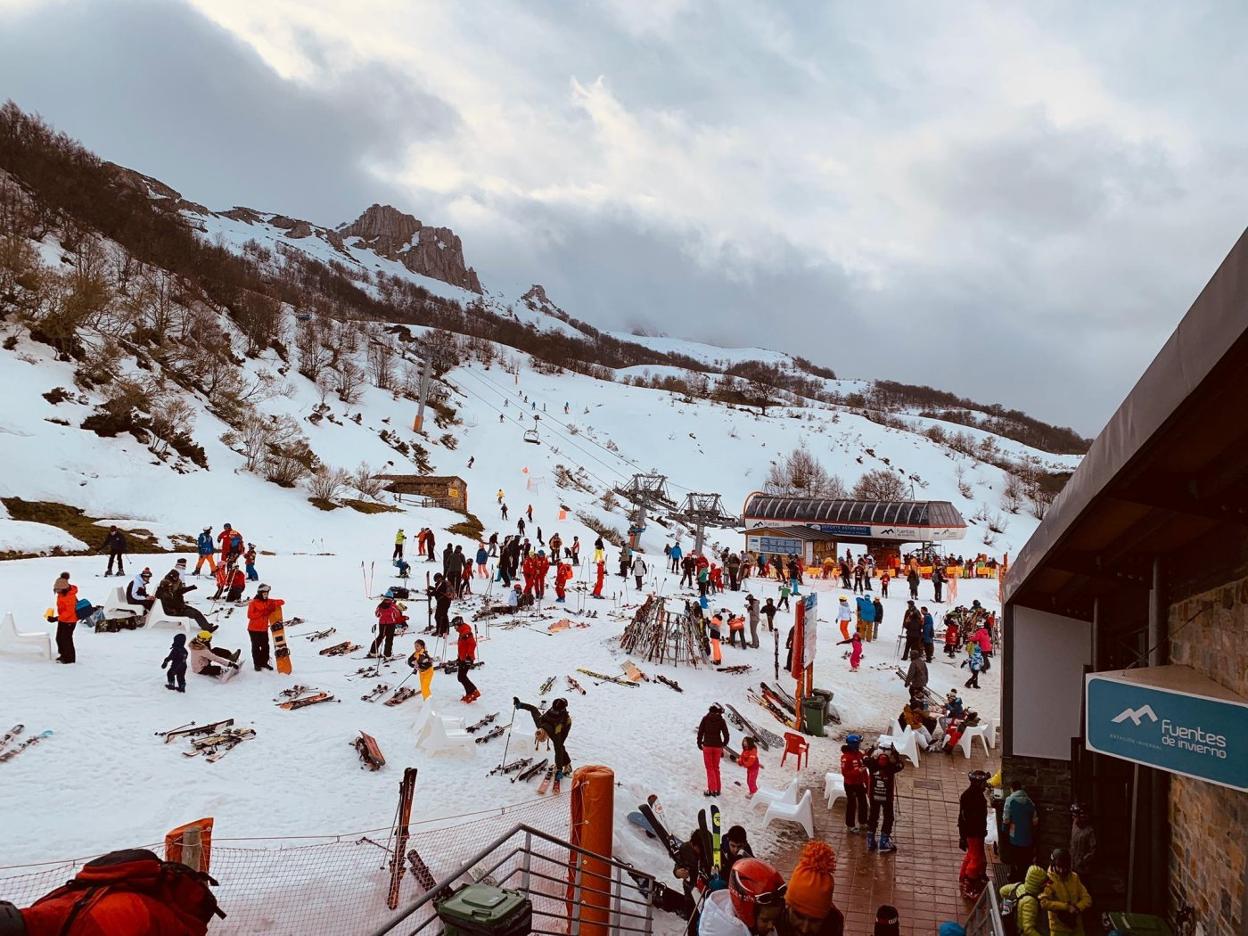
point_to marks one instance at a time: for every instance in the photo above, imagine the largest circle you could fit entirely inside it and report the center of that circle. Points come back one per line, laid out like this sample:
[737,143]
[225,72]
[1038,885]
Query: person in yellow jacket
[399,539]
[1027,910]
[1065,899]
[422,663]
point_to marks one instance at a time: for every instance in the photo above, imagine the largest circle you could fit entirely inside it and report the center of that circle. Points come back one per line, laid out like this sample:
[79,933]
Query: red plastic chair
[795,744]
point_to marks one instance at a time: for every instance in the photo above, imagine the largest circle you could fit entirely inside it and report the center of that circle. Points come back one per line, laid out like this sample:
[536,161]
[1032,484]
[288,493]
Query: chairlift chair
[530,435]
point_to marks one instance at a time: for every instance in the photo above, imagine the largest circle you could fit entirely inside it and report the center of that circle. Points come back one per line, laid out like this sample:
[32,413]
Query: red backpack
[123,893]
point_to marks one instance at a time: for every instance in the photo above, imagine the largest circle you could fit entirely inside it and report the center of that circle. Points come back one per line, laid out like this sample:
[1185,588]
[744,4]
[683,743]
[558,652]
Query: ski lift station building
[811,527]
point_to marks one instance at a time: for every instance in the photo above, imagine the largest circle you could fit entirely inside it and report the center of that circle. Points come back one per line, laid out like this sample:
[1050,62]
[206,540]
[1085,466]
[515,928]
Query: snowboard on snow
[281,652]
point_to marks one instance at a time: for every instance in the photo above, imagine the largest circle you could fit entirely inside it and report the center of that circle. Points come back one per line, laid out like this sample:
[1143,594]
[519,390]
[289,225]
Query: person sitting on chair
[136,591]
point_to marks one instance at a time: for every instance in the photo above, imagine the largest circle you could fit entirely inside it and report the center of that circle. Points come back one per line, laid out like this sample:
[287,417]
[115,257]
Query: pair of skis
[340,649]
[8,755]
[618,680]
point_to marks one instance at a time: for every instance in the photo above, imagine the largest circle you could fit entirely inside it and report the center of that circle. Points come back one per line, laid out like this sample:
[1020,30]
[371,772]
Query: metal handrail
[526,853]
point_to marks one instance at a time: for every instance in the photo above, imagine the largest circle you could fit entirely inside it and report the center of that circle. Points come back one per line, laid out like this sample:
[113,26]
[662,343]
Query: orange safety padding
[173,841]
[593,818]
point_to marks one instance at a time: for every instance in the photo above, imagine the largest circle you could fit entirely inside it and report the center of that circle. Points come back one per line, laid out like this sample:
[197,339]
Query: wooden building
[446,491]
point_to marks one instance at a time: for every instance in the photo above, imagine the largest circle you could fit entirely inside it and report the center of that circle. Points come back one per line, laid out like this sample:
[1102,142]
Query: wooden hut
[446,491]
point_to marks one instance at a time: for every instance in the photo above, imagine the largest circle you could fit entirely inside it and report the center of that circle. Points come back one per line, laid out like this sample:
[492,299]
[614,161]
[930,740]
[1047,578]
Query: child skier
[785,591]
[422,663]
[176,664]
[748,758]
[855,650]
[249,562]
[951,638]
[562,574]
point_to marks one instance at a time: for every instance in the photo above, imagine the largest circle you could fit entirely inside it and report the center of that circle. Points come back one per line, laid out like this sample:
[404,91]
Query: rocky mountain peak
[436,252]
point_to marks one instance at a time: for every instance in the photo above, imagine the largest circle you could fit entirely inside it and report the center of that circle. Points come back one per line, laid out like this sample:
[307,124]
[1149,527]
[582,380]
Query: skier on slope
[638,569]
[66,619]
[600,579]
[399,539]
[205,548]
[562,575]
[249,563]
[115,543]
[259,611]
[540,570]
[229,539]
[712,739]
[389,617]
[555,724]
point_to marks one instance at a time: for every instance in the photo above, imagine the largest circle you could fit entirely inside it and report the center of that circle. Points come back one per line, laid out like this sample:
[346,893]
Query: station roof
[839,510]
[1166,477]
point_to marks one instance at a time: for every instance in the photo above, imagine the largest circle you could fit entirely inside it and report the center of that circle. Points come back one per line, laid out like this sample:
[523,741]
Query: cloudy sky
[1014,202]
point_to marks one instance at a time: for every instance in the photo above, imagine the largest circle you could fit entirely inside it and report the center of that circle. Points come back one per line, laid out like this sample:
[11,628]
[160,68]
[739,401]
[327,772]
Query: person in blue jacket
[929,635]
[207,549]
[675,554]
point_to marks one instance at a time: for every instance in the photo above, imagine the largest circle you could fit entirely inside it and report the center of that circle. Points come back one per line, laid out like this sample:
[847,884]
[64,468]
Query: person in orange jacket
[66,620]
[748,758]
[259,610]
[563,572]
[541,566]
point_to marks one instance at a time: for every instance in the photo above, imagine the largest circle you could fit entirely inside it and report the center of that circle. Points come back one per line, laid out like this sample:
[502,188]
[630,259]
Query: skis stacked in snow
[477,726]
[494,732]
[292,692]
[633,672]
[670,683]
[340,649]
[515,765]
[530,772]
[402,829]
[29,742]
[737,669]
[400,696]
[370,752]
[375,693]
[766,739]
[618,680]
[191,729]
[315,698]
[215,746]
[575,686]
[321,634]
[772,706]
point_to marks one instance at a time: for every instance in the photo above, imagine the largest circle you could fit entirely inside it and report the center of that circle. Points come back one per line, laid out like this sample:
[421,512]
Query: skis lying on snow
[530,772]
[546,686]
[618,680]
[512,767]
[671,683]
[193,729]
[765,738]
[670,842]
[213,747]
[575,686]
[544,786]
[370,754]
[737,669]
[400,696]
[295,690]
[375,693]
[32,740]
[490,735]
[321,634]
[11,734]
[307,700]
[339,649]
[477,726]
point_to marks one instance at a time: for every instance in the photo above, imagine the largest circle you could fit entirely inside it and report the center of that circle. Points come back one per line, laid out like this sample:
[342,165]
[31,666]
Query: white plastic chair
[116,607]
[800,812]
[906,744]
[788,795]
[157,617]
[975,731]
[833,788]
[14,641]
[990,732]
[444,734]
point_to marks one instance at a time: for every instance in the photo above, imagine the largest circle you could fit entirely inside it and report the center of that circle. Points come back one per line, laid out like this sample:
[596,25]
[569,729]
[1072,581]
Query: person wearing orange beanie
[809,910]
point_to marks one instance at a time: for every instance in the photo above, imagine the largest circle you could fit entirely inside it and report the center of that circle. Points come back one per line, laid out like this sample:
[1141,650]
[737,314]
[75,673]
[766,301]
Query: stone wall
[1048,784]
[1208,847]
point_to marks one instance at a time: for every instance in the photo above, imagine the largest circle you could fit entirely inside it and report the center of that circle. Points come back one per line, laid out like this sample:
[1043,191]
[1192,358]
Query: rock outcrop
[436,252]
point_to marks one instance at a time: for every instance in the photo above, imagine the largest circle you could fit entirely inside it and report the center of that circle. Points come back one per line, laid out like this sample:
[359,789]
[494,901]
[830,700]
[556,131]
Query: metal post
[618,885]
[525,882]
[574,924]
[419,424]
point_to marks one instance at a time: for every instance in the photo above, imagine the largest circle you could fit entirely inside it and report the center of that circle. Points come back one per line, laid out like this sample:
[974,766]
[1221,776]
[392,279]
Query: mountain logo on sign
[1136,715]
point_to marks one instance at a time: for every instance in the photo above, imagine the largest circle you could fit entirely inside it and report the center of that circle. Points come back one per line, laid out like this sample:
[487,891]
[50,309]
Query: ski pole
[507,743]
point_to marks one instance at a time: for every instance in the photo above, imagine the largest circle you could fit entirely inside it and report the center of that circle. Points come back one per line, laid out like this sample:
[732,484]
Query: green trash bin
[812,716]
[825,697]
[1119,923]
[484,910]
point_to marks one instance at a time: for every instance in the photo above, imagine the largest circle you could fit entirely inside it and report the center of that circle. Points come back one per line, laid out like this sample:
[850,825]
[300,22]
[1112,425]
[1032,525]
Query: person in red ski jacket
[563,572]
[231,542]
[259,610]
[389,617]
[602,575]
[467,650]
[854,773]
[528,569]
[541,566]
[717,578]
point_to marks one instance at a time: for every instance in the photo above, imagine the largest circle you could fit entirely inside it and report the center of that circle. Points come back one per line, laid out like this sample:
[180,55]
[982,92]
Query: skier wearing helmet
[751,905]
[972,831]
[555,723]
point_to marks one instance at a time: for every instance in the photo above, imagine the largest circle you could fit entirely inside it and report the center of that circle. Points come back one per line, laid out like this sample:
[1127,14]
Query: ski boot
[870,841]
[887,844]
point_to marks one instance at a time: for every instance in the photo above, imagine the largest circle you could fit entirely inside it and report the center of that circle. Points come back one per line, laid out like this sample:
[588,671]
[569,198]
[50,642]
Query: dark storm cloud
[157,87]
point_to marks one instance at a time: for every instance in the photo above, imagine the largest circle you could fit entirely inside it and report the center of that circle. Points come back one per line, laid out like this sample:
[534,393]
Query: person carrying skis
[808,906]
[972,831]
[115,543]
[389,616]
[748,759]
[883,765]
[639,569]
[855,777]
[175,664]
[399,539]
[466,648]
[554,724]
[422,664]
[712,739]
[260,611]
[204,546]
[66,619]
[249,561]
[563,573]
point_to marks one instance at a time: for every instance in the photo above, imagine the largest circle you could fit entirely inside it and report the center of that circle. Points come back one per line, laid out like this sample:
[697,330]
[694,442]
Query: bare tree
[381,363]
[1012,495]
[959,475]
[325,483]
[800,474]
[350,382]
[367,483]
[259,318]
[881,485]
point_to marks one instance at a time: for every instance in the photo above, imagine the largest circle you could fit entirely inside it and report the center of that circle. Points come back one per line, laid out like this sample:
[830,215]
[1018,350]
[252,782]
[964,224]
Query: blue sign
[772,545]
[842,529]
[1148,719]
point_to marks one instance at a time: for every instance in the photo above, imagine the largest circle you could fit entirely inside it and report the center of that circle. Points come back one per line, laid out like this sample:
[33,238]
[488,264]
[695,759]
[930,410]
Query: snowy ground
[103,780]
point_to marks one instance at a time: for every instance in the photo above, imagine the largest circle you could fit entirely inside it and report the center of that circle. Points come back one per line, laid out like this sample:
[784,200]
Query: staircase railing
[553,874]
